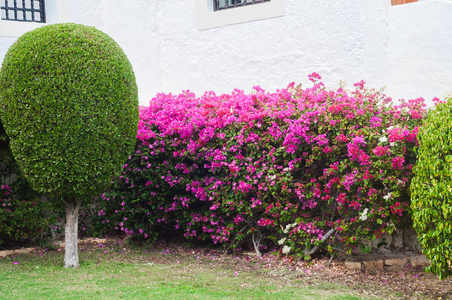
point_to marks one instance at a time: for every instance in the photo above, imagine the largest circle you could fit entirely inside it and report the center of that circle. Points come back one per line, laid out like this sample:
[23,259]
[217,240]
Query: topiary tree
[70,107]
[431,189]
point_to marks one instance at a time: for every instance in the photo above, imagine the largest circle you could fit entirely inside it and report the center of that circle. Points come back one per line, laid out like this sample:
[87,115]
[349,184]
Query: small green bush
[24,214]
[8,167]
[431,189]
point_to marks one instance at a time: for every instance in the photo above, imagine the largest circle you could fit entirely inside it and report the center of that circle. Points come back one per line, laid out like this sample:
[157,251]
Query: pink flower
[350,179]
[314,77]
[380,151]
[360,85]
[358,141]
[397,162]
[375,121]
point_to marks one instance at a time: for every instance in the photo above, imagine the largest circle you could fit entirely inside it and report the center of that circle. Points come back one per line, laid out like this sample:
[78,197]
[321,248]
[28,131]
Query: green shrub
[69,104]
[24,214]
[8,167]
[431,189]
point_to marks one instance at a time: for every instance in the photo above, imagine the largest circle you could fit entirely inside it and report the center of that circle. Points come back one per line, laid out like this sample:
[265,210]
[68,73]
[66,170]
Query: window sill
[207,18]
[16,29]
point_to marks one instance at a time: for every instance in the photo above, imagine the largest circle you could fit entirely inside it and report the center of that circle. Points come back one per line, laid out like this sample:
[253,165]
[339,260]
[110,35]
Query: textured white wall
[5,43]
[346,40]
[420,50]
[170,54]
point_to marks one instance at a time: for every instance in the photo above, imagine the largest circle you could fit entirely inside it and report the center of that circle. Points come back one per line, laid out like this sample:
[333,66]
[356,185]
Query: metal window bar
[225,4]
[23,10]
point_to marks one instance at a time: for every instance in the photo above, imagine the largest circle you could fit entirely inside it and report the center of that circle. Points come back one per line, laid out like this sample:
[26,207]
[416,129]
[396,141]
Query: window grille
[225,4]
[23,10]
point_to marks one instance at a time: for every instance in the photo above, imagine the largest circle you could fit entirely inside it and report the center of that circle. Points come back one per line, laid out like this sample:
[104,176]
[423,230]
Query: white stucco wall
[5,43]
[170,54]
[345,40]
[420,49]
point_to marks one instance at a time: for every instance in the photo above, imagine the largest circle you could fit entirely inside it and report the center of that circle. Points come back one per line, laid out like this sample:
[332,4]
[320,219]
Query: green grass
[177,273]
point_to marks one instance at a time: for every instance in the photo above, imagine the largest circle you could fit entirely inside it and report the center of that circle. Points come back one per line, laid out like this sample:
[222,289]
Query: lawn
[116,271]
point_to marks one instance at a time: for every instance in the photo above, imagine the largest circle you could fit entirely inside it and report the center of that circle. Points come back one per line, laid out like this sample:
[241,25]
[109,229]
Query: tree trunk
[72,207]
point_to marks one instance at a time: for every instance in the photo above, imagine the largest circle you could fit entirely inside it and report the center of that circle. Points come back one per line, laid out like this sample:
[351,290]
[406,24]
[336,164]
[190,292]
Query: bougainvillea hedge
[288,170]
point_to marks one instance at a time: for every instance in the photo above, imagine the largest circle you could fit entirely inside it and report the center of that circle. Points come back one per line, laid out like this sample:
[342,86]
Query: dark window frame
[26,12]
[235,3]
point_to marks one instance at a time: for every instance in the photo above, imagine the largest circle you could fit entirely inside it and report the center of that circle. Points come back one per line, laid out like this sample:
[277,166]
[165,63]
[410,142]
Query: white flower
[363,216]
[281,241]
[383,139]
[288,226]
[392,144]
[387,196]
[286,249]
[389,128]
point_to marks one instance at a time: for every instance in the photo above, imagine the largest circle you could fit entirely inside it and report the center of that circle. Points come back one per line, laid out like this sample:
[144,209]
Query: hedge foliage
[24,214]
[286,169]
[70,107]
[432,189]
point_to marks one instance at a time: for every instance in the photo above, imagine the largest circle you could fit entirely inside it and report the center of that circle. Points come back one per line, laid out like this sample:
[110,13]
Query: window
[20,16]
[23,10]
[223,4]
[217,13]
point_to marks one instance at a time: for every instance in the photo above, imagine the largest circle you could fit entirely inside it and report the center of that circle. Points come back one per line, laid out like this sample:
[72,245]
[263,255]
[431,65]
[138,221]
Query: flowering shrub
[290,169]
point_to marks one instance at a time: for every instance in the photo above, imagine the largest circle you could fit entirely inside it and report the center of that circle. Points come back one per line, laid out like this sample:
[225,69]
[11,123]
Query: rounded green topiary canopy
[69,104]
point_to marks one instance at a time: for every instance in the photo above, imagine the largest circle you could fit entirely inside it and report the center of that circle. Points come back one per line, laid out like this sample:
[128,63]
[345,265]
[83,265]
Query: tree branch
[316,248]
[257,242]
